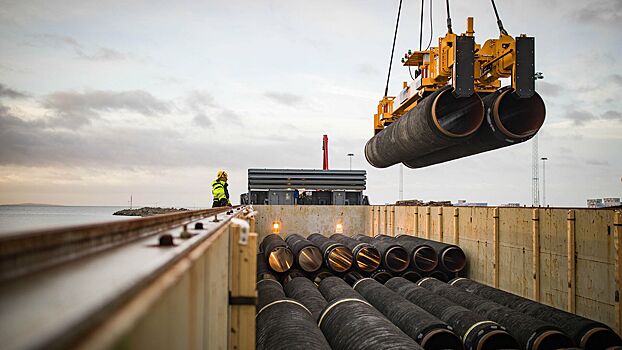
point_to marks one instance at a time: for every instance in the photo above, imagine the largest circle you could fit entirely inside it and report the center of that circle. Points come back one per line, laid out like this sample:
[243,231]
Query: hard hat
[221,174]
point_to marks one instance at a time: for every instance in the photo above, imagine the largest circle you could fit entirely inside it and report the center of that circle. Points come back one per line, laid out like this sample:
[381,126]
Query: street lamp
[544,159]
[350,155]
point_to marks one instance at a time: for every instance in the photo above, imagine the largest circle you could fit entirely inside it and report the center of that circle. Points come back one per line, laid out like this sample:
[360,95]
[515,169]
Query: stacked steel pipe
[476,331]
[308,256]
[394,258]
[277,253]
[586,333]
[509,120]
[306,292]
[341,321]
[337,257]
[366,257]
[423,257]
[430,332]
[451,259]
[438,121]
[284,323]
[531,333]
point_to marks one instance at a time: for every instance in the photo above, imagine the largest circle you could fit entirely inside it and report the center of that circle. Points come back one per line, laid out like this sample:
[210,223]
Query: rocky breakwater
[148,211]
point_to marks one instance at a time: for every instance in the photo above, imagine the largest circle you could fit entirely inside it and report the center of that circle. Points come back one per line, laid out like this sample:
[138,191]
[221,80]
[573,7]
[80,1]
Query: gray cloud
[97,54]
[580,117]
[616,78]
[77,108]
[597,162]
[550,89]
[284,98]
[10,93]
[600,12]
[33,143]
[199,100]
[612,115]
[202,120]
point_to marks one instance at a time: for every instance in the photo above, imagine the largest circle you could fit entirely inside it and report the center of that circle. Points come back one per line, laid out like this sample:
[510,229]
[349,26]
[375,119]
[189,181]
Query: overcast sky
[103,100]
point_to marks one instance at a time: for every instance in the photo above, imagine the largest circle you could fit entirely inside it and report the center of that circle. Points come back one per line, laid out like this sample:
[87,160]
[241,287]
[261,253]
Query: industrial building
[305,187]
[604,202]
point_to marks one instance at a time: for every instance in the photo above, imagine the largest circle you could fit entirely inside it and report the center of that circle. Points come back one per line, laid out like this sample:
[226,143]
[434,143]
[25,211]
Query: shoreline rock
[148,211]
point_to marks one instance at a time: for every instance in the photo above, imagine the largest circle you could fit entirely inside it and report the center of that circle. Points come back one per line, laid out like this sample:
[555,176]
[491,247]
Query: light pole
[350,155]
[544,159]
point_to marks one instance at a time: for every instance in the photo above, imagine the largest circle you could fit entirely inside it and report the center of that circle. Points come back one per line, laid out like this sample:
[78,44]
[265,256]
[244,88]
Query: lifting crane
[469,71]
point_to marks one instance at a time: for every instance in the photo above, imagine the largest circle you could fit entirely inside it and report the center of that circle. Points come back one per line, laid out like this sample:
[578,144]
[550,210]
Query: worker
[220,191]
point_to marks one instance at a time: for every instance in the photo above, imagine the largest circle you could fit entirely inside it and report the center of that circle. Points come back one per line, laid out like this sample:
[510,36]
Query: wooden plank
[456,226]
[428,223]
[242,284]
[393,220]
[617,235]
[535,223]
[416,223]
[440,224]
[572,263]
[495,247]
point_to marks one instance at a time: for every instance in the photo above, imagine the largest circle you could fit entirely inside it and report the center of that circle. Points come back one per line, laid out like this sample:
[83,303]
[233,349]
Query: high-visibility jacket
[219,190]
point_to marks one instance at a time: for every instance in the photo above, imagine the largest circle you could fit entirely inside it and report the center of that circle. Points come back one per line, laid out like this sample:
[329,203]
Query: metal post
[401,182]
[350,155]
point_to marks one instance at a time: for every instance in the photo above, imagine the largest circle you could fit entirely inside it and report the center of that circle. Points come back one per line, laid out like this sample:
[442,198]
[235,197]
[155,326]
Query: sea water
[20,218]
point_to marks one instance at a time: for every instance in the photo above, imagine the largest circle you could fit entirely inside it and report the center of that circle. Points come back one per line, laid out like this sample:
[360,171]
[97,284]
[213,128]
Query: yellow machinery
[467,66]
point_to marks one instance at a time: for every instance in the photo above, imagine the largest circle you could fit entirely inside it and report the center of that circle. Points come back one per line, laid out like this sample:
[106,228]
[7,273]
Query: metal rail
[59,287]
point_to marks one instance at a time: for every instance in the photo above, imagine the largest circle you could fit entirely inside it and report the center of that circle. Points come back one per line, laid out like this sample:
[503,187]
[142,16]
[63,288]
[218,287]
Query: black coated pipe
[440,275]
[304,290]
[350,322]
[509,121]
[262,269]
[436,122]
[284,323]
[531,333]
[381,275]
[394,257]
[290,275]
[586,333]
[423,257]
[412,276]
[337,257]
[366,257]
[477,332]
[308,255]
[450,256]
[319,275]
[278,255]
[427,330]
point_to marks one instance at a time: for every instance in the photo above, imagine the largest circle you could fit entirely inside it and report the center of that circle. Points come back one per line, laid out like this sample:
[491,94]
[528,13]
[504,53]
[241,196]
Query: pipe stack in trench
[442,127]
[318,305]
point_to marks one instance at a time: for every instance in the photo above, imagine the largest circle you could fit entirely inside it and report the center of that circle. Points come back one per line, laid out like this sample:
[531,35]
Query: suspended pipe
[366,257]
[279,257]
[350,322]
[531,333]
[586,333]
[284,323]
[476,332]
[427,330]
[423,258]
[436,122]
[337,257]
[509,120]
[308,256]
[394,258]
[450,256]
[304,290]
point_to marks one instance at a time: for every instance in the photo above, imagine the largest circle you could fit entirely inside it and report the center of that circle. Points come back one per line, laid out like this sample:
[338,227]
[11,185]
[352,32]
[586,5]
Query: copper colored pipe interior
[281,259]
[340,259]
[368,259]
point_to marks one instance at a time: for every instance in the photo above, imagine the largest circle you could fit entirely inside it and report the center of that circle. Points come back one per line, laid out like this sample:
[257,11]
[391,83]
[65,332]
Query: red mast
[325,149]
